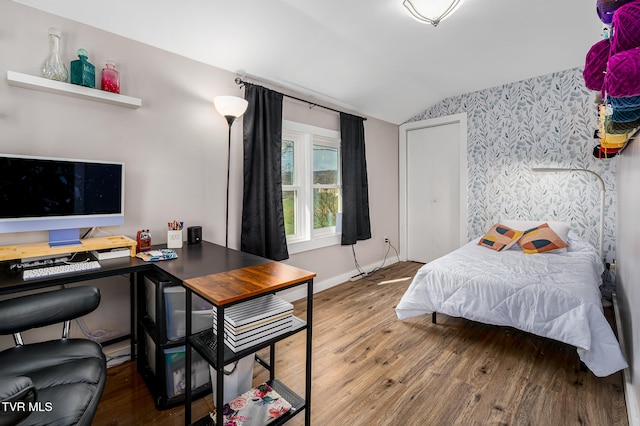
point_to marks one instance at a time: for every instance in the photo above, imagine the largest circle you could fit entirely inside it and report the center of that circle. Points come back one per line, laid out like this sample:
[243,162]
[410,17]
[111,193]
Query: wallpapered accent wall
[546,121]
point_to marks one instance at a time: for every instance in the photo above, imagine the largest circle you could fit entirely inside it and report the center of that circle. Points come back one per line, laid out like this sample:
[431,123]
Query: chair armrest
[15,395]
[52,307]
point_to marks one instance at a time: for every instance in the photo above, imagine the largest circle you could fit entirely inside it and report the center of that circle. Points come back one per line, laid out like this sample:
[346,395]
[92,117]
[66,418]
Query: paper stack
[255,321]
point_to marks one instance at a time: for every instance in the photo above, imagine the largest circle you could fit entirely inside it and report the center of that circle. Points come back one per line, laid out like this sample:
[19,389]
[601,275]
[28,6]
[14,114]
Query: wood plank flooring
[369,368]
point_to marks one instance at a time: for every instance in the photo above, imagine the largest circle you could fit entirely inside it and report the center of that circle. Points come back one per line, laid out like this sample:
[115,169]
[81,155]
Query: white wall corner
[631,399]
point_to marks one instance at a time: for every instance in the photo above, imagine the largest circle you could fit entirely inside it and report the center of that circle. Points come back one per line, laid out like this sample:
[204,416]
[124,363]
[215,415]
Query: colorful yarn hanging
[626,28]
[596,65]
[602,153]
[625,115]
[623,74]
[612,127]
[614,141]
[609,140]
[606,8]
[625,103]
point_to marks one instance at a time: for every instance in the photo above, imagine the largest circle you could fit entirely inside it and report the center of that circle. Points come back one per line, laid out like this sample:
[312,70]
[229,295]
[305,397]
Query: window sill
[318,242]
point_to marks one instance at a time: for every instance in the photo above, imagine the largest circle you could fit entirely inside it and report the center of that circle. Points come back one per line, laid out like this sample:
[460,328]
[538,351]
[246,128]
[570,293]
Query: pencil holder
[174,239]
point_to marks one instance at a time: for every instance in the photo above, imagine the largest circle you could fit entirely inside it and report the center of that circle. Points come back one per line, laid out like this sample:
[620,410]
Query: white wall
[628,270]
[174,146]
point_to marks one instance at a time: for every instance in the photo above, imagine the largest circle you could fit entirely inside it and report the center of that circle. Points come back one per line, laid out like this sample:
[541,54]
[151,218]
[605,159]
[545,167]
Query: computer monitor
[59,195]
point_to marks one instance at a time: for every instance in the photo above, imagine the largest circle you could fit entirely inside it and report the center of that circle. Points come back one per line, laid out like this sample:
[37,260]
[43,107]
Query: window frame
[304,137]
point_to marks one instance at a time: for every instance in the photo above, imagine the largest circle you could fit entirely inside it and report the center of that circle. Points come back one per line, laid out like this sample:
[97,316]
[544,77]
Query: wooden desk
[231,287]
[194,260]
[13,283]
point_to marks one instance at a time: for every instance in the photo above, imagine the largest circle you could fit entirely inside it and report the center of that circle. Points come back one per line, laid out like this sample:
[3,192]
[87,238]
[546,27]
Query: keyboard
[67,268]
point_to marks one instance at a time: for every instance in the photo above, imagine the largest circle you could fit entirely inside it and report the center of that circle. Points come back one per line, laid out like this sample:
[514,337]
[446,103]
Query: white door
[433,187]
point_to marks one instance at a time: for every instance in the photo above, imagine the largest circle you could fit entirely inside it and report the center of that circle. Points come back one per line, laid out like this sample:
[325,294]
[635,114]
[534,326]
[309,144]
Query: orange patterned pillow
[541,239]
[500,237]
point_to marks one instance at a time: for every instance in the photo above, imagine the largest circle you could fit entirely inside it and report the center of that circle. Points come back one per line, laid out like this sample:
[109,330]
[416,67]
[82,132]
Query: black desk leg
[272,362]
[134,312]
[187,358]
[219,364]
[307,414]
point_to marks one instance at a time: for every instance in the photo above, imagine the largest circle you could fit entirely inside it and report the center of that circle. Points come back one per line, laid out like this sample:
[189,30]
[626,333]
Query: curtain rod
[241,83]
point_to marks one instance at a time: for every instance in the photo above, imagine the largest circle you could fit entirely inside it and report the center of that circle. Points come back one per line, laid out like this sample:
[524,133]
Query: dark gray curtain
[262,216]
[355,188]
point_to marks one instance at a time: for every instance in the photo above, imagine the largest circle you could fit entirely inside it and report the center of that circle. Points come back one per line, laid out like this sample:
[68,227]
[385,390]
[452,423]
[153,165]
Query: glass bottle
[110,78]
[83,72]
[53,68]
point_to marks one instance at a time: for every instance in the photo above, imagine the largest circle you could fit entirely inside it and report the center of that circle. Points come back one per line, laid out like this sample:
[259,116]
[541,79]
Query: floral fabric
[256,407]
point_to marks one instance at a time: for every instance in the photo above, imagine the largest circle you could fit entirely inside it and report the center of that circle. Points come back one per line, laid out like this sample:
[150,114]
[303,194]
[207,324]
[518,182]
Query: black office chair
[58,382]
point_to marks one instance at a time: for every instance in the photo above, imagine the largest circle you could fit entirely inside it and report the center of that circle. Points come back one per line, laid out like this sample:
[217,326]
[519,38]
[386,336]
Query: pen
[175,225]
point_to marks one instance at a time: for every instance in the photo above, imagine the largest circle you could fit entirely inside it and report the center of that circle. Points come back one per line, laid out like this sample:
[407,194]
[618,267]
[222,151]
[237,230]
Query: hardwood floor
[369,368]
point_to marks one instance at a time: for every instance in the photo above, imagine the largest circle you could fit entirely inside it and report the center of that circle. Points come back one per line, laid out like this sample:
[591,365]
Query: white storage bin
[174,301]
[175,371]
[237,382]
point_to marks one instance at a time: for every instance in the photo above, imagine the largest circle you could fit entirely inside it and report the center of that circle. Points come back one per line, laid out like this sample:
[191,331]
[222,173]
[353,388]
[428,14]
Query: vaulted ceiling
[369,57]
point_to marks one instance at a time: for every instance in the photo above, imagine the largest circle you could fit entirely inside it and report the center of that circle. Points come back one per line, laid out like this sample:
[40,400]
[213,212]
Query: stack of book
[255,321]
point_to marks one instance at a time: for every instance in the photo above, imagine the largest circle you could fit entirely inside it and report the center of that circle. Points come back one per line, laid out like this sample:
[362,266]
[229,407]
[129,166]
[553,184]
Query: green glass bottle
[83,72]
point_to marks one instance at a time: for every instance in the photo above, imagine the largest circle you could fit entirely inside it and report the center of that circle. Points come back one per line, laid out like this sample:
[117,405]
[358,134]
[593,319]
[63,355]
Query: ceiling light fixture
[433,11]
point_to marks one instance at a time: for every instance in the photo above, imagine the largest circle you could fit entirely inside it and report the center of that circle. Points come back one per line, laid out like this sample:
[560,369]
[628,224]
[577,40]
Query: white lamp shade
[431,11]
[230,106]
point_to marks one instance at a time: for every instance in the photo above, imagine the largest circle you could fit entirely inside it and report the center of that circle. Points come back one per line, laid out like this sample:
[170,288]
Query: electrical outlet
[386,240]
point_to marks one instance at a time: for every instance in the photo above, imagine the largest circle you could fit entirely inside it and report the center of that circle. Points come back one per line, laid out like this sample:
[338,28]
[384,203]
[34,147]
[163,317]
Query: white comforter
[555,295]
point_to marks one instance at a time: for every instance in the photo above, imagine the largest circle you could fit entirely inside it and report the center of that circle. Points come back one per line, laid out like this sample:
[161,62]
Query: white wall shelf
[45,85]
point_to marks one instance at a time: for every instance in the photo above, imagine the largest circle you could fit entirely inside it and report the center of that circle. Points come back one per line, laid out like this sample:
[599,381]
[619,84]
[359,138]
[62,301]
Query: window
[311,186]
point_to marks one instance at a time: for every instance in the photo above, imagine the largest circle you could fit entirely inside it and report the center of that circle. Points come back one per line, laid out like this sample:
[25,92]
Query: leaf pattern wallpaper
[547,121]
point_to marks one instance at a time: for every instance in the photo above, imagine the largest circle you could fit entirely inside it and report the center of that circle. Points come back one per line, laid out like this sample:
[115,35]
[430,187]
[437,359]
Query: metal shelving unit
[209,344]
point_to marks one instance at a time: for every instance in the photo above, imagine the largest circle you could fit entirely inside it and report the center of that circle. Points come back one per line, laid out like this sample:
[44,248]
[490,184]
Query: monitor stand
[64,237]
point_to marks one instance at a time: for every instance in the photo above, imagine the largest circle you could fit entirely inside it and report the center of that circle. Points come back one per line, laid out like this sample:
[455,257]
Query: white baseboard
[630,396]
[318,286]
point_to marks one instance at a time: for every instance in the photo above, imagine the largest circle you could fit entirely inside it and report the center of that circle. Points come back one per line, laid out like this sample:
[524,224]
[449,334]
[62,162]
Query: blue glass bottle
[83,72]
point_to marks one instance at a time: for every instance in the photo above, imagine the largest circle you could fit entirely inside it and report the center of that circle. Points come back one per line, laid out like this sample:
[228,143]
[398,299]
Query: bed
[554,295]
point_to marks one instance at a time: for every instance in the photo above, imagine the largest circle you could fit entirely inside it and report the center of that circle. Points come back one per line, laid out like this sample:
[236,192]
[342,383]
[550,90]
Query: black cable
[376,269]
[355,260]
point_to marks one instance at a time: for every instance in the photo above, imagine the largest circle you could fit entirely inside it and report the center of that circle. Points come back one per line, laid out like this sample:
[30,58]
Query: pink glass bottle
[110,78]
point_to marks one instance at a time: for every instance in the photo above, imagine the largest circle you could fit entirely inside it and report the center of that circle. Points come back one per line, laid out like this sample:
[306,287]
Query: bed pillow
[541,239]
[500,237]
[560,228]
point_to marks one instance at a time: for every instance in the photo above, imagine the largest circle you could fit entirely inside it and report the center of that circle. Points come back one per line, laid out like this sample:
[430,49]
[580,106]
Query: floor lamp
[231,107]
[563,170]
